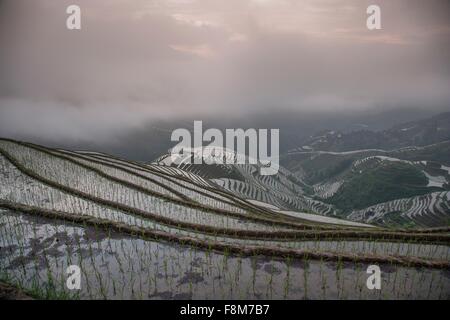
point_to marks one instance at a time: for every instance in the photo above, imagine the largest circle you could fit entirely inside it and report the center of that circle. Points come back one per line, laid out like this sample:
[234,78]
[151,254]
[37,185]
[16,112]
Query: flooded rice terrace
[35,253]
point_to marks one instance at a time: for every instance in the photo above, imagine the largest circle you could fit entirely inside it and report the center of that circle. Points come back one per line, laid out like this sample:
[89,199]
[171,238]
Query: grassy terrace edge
[9,291]
[306,233]
[137,212]
[428,235]
[156,235]
[279,219]
[291,223]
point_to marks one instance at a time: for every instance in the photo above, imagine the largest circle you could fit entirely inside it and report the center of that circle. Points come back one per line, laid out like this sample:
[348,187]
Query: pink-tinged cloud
[170,58]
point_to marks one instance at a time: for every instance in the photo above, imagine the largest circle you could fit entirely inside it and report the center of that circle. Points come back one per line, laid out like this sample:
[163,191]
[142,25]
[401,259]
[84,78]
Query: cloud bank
[140,61]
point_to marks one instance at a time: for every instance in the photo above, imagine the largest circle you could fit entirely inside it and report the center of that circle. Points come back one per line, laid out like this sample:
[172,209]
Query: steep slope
[360,179]
[375,180]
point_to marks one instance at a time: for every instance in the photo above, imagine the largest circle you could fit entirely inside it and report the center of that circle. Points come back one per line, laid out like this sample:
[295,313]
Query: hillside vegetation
[389,181]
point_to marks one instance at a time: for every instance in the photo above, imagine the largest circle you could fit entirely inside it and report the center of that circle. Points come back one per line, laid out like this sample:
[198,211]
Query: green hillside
[388,181]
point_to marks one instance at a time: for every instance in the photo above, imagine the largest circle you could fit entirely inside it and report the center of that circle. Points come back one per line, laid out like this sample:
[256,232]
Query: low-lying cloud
[140,61]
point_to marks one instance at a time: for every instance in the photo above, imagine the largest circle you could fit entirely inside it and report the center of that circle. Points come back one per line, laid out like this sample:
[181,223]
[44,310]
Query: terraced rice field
[279,195]
[430,210]
[327,190]
[155,232]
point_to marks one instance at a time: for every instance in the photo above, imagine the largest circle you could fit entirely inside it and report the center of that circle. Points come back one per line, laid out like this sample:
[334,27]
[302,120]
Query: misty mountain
[149,141]
[414,133]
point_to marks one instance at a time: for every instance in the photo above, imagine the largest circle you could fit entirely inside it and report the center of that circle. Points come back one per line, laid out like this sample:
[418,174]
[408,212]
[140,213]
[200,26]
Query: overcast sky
[137,61]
